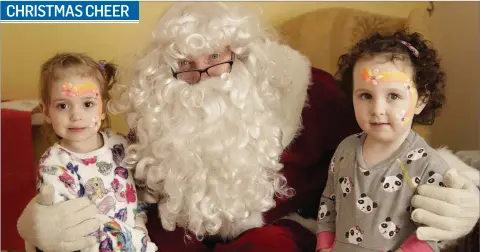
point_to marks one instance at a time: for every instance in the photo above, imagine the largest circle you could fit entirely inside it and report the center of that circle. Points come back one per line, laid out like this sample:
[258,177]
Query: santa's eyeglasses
[194,76]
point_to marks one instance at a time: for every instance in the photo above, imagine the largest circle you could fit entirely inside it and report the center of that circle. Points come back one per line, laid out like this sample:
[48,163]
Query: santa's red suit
[327,120]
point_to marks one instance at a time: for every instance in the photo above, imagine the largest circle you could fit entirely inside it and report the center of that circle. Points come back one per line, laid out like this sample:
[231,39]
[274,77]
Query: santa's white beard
[212,153]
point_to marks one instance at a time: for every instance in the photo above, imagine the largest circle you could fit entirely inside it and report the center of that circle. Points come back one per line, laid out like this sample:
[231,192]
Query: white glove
[58,227]
[449,212]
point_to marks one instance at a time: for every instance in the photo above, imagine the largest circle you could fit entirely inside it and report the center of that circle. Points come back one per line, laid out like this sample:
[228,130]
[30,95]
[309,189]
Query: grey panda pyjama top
[369,210]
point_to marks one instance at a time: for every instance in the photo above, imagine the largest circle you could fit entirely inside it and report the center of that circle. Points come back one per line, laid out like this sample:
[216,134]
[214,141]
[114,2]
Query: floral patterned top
[100,176]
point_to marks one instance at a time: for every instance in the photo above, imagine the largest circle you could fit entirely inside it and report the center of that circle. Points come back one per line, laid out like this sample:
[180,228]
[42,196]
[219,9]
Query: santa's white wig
[209,153]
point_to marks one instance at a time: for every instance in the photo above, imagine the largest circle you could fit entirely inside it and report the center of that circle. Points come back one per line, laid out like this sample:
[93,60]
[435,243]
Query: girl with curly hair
[394,80]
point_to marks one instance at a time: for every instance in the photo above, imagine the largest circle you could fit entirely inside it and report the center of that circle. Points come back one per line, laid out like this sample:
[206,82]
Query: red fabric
[282,236]
[327,120]
[413,244]
[18,176]
[325,240]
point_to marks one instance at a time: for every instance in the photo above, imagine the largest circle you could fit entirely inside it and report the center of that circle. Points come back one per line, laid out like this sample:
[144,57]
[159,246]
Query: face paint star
[372,76]
[94,122]
[69,90]
[401,115]
[408,86]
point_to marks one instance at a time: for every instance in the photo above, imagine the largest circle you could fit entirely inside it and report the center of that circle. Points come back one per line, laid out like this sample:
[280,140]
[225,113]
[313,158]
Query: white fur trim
[292,72]
[463,169]
[309,224]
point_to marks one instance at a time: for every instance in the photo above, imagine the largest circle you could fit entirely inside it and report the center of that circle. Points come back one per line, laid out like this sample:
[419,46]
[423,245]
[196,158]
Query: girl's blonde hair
[64,65]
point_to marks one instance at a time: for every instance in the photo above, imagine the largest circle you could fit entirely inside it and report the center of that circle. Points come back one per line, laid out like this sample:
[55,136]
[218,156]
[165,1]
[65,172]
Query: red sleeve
[327,119]
[413,244]
[325,240]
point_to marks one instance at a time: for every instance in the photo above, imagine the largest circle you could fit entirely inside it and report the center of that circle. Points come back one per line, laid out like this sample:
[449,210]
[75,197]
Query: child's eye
[89,104]
[62,106]
[365,96]
[393,96]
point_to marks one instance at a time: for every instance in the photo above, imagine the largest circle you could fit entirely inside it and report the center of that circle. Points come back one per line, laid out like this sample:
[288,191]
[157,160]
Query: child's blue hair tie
[102,64]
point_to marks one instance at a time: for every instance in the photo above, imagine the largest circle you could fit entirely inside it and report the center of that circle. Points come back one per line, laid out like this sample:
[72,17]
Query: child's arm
[132,239]
[56,169]
[45,225]
[433,175]
[141,210]
[141,218]
[413,244]
[327,213]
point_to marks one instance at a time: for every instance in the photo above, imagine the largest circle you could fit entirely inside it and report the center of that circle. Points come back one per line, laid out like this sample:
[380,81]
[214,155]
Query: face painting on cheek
[72,90]
[96,121]
[376,77]
[413,96]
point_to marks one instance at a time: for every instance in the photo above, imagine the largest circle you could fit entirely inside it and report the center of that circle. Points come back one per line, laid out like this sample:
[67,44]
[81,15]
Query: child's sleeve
[326,212]
[132,239]
[433,174]
[118,140]
[55,169]
[141,218]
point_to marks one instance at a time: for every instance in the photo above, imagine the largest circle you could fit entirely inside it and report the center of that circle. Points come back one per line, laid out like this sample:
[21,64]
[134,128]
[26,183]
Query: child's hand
[58,227]
[144,231]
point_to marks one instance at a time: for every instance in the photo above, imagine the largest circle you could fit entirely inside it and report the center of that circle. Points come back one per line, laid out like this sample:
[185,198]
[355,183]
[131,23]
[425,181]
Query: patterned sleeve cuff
[325,240]
[413,244]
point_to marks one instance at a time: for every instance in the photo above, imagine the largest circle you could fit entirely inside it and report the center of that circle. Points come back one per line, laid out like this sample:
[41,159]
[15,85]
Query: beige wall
[26,46]
[455,32]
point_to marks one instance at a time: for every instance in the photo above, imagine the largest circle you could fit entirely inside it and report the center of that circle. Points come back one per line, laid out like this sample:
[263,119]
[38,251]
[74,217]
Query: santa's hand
[58,227]
[448,212]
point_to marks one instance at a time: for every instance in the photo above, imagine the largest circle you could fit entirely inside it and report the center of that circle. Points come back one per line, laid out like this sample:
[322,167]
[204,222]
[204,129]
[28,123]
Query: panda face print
[323,211]
[365,172]
[346,184]
[388,229]
[392,183]
[331,167]
[435,179]
[410,209]
[416,154]
[416,180]
[366,204]
[354,235]
[332,197]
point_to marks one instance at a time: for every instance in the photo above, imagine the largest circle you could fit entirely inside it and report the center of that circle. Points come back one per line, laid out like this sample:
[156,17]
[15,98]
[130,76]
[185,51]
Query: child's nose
[76,114]
[378,107]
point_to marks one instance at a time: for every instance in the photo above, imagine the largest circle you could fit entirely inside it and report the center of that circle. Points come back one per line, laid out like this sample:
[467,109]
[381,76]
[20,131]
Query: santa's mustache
[205,102]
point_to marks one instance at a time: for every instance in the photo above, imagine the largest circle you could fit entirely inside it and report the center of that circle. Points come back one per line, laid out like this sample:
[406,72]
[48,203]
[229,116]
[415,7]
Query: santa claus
[231,137]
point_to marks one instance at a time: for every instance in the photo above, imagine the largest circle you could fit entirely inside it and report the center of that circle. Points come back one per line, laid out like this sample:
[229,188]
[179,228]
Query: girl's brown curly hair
[428,76]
